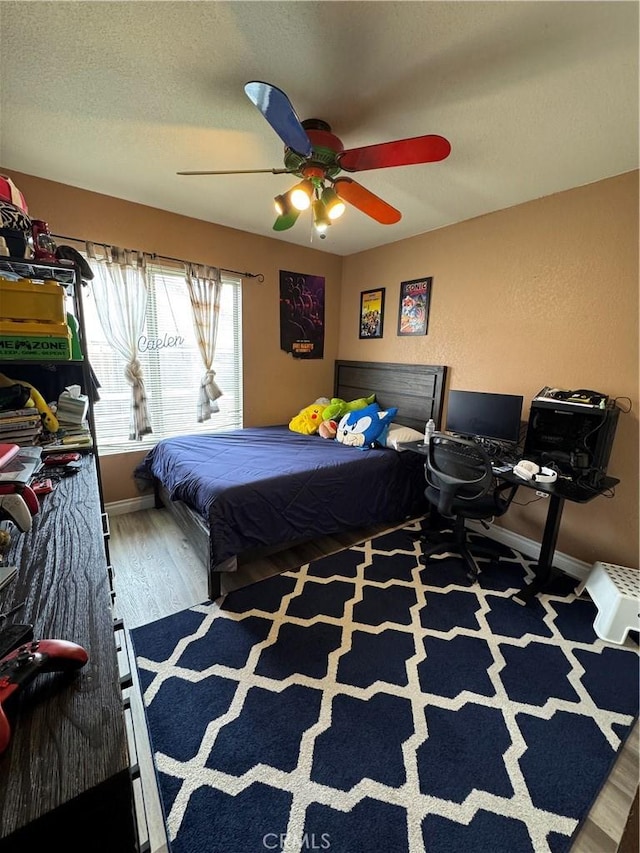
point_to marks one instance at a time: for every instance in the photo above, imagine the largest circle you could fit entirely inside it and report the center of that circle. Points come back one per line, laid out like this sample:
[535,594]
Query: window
[172,365]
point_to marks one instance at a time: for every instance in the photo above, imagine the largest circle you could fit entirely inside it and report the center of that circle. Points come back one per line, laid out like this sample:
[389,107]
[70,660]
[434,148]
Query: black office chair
[461,485]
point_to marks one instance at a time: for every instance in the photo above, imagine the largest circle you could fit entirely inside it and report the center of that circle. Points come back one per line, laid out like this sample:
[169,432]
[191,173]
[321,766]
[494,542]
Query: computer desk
[559,492]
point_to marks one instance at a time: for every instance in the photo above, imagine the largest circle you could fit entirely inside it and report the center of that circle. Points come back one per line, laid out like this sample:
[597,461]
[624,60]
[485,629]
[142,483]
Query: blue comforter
[268,485]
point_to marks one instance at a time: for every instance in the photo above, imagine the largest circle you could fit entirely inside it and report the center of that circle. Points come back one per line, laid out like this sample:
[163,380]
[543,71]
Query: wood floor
[158,573]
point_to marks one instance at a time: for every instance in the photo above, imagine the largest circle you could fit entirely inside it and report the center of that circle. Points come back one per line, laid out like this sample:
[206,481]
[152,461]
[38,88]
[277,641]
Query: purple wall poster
[302,314]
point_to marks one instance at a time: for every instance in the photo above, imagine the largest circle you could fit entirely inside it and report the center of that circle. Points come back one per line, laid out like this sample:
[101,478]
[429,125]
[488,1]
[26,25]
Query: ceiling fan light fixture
[335,207]
[301,195]
[282,204]
[321,219]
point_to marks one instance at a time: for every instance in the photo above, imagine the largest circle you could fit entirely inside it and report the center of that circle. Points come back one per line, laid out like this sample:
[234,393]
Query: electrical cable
[526,503]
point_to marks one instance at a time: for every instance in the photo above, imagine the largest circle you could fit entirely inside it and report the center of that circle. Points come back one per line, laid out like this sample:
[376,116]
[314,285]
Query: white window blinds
[172,364]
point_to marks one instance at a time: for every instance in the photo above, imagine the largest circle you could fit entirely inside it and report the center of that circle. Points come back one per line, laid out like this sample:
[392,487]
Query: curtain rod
[257,275]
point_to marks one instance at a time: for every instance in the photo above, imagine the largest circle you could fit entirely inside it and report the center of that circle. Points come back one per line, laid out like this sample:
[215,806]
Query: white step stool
[615,590]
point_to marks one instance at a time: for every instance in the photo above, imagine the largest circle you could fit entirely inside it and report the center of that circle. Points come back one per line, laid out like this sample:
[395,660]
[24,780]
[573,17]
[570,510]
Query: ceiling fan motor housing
[326,148]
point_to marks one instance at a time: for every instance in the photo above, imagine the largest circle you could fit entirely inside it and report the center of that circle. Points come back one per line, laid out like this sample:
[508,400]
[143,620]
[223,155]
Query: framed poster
[371,313]
[413,312]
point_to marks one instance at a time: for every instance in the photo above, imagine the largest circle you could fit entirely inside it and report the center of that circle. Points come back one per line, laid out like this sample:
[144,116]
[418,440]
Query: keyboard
[465,452]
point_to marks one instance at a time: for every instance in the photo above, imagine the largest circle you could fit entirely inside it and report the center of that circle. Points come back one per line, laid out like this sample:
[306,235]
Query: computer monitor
[494,416]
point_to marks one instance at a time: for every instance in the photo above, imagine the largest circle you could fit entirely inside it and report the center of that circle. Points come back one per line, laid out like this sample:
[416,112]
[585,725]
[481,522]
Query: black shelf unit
[65,558]
[65,580]
[51,376]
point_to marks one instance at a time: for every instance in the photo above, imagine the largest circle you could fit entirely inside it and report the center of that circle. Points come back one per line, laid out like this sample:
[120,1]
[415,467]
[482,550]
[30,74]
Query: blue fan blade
[276,108]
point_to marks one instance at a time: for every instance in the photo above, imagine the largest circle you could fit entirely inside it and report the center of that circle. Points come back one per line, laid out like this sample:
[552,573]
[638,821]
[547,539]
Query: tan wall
[542,293]
[276,385]
[545,293]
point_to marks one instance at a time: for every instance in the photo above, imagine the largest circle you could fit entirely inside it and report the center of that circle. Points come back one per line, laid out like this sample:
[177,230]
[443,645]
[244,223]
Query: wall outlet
[542,494]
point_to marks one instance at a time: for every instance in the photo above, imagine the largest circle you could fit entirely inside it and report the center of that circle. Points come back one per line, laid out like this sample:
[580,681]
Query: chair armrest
[502,503]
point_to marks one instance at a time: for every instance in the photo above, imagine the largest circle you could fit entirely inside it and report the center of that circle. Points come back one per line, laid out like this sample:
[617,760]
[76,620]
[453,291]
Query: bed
[259,489]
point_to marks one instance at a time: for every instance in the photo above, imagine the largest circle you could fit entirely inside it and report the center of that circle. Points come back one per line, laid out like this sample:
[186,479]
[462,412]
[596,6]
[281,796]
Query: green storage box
[34,341]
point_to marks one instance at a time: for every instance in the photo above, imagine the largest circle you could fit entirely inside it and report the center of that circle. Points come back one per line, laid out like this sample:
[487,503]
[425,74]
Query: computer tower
[576,438]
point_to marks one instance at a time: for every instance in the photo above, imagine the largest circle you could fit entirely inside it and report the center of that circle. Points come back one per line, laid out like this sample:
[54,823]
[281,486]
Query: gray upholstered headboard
[416,389]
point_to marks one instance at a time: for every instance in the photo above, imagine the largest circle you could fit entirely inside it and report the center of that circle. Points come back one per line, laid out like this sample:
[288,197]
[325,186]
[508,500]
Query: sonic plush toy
[364,427]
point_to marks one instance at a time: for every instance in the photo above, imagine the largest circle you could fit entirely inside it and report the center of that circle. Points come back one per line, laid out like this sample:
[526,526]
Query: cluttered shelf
[68,762]
[41,311]
[46,384]
[26,419]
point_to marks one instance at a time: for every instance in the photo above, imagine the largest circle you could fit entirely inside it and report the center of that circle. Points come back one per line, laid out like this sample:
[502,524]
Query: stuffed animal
[364,427]
[328,429]
[337,407]
[308,420]
[49,420]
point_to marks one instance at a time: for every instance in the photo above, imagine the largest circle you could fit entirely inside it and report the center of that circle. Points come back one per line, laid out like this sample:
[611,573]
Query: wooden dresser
[65,776]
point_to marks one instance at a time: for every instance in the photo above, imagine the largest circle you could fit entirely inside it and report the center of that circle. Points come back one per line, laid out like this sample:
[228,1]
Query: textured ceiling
[116,97]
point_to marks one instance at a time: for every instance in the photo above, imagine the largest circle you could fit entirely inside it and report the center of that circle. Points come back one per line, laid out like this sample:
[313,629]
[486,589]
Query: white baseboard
[130,505]
[569,565]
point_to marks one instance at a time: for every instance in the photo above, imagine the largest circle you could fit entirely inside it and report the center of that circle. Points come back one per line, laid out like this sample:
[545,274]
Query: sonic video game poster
[415,299]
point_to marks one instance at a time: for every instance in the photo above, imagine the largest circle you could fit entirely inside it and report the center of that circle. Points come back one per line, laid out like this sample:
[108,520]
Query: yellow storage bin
[25,299]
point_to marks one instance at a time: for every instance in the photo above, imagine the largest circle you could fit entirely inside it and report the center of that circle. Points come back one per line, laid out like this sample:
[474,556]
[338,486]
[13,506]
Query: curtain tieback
[210,387]
[133,372]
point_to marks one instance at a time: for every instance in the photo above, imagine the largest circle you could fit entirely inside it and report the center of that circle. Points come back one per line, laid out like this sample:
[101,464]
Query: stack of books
[20,426]
[80,440]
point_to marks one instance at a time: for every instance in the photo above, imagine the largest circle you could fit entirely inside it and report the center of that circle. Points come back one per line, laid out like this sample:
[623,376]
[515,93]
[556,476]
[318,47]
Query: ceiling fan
[314,154]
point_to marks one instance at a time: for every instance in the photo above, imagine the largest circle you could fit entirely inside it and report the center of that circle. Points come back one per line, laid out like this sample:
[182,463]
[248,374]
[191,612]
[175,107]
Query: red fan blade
[402,152]
[284,222]
[366,201]
[276,107]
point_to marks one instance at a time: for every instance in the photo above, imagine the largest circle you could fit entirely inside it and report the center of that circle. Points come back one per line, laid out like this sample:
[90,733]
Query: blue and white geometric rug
[367,703]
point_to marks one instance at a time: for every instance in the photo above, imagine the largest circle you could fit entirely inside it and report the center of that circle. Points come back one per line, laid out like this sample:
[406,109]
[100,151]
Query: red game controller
[24,663]
[61,458]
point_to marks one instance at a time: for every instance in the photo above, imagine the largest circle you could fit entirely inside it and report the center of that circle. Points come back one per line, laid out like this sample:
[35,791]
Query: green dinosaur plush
[337,407]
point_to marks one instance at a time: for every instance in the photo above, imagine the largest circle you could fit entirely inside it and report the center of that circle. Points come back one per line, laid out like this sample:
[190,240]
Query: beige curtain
[205,290]
[120,290]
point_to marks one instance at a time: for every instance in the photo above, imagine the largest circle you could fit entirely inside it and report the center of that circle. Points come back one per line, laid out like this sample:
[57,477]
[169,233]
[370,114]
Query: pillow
[364,427]
[398,434]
